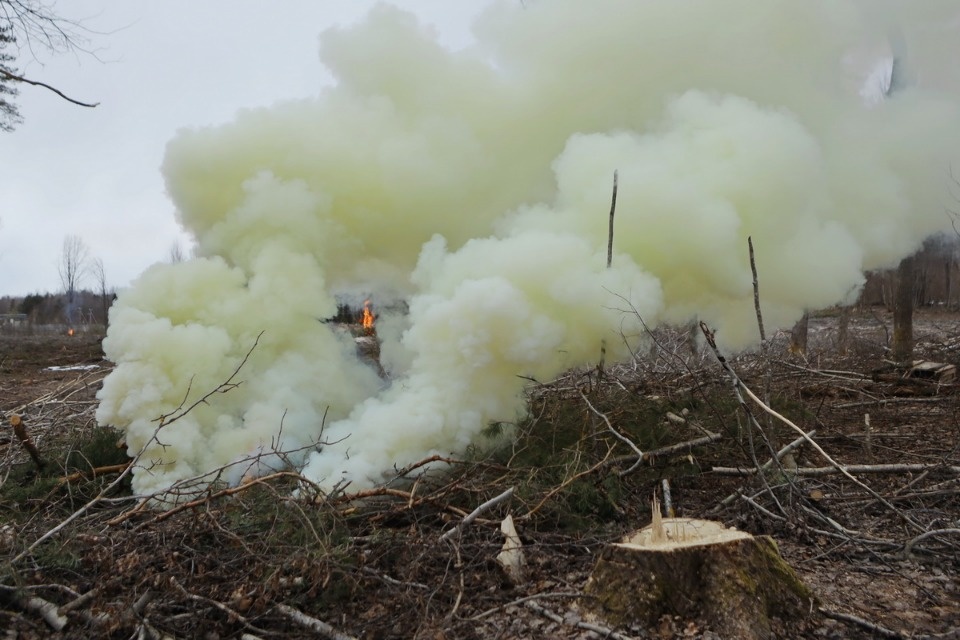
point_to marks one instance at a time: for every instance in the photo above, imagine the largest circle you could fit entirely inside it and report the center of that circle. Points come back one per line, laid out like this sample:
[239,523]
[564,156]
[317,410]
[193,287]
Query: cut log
[725,580]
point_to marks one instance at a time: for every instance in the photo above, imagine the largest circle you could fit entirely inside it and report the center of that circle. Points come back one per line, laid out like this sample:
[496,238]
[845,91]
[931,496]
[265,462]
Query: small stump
[725,579]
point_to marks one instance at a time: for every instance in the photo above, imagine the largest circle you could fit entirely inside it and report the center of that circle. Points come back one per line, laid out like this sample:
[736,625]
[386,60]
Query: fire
[367,316]
[70,331]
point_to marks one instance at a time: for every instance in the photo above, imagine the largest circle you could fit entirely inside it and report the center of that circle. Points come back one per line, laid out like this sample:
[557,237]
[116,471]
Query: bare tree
[176,253]
[100,275]
[74,266]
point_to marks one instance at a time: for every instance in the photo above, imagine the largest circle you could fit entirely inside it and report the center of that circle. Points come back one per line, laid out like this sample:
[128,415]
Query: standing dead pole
[773,443]
[613,210]
[756,297]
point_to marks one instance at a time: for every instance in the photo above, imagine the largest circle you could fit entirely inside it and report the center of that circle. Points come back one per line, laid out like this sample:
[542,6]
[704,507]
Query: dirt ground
[881,554]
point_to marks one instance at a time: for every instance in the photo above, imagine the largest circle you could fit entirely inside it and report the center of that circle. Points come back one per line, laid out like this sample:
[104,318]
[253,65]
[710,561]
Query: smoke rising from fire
[476,184]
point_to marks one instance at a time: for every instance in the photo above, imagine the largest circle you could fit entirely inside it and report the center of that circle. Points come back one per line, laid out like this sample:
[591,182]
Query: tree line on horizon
[936,274]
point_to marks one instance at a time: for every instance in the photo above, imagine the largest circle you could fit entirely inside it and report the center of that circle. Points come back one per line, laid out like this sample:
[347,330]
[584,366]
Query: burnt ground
[249,561]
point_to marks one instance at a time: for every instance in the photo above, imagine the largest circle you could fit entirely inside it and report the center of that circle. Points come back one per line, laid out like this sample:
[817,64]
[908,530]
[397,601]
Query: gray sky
[157,67]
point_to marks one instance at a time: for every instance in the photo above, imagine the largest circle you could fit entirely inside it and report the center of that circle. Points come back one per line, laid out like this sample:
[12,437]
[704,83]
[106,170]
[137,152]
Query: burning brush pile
[365,331]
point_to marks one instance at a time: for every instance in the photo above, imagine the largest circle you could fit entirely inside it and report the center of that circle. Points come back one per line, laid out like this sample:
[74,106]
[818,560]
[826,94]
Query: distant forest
[89,309]
[937,274]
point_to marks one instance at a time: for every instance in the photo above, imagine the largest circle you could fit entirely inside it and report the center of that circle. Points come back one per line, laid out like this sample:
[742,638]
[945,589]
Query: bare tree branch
[14,77]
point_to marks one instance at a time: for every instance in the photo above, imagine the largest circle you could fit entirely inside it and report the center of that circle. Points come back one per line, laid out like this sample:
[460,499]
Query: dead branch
[92,473]
[576,623]
[734,471]
[753,503]
[908,547]
[879,402]
[860,622]
[229,491]
[223,387]
[739,385]
[80,601]
[405,471]
[492,502]
[15,78]
[513,603]
[20,430]
[393,581]
[666,451]
[46,609]
[563,486]
[312,623]
[875,468]
[616,434]
[231,613]
[408,497]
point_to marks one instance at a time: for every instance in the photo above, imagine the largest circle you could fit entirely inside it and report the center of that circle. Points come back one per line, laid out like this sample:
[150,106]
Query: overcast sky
[157,67]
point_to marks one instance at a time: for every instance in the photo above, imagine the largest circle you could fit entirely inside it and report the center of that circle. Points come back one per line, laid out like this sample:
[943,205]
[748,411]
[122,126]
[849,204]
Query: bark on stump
[731,582]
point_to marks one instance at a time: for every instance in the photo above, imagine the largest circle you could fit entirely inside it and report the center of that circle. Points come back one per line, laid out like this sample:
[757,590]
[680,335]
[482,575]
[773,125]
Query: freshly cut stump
[733,583]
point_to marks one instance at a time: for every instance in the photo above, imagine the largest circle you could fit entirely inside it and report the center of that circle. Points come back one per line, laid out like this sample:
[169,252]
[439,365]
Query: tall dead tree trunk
[947,283]
[843,331]
[798,335]
[902,346]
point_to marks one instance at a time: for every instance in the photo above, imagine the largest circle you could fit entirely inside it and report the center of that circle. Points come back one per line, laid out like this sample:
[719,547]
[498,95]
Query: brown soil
[372,566]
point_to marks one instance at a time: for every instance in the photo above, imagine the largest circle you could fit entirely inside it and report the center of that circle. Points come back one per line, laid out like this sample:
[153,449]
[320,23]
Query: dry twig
[489,504]
[312,623]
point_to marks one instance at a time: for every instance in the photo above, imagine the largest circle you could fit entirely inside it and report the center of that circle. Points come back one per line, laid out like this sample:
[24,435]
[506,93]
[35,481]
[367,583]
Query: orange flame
[367,316]
[70,332]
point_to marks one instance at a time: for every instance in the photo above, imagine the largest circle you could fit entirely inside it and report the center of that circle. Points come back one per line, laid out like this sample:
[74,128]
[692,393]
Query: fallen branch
[92,473]
[410,498]
[492,502]
[619,436]
[312,623]
[80,601]
[875,468]
[231,613]
[860,622]
[908,547]
[665,451]
[513,603]
[47,610]
[734,471]
[882,401]
[229,491]
[578,624]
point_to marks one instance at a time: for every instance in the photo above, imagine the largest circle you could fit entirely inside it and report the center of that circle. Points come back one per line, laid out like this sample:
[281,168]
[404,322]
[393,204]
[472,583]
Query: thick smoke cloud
[475,185]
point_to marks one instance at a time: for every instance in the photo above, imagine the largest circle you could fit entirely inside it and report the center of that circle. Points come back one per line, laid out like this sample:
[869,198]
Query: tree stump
[728,581]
